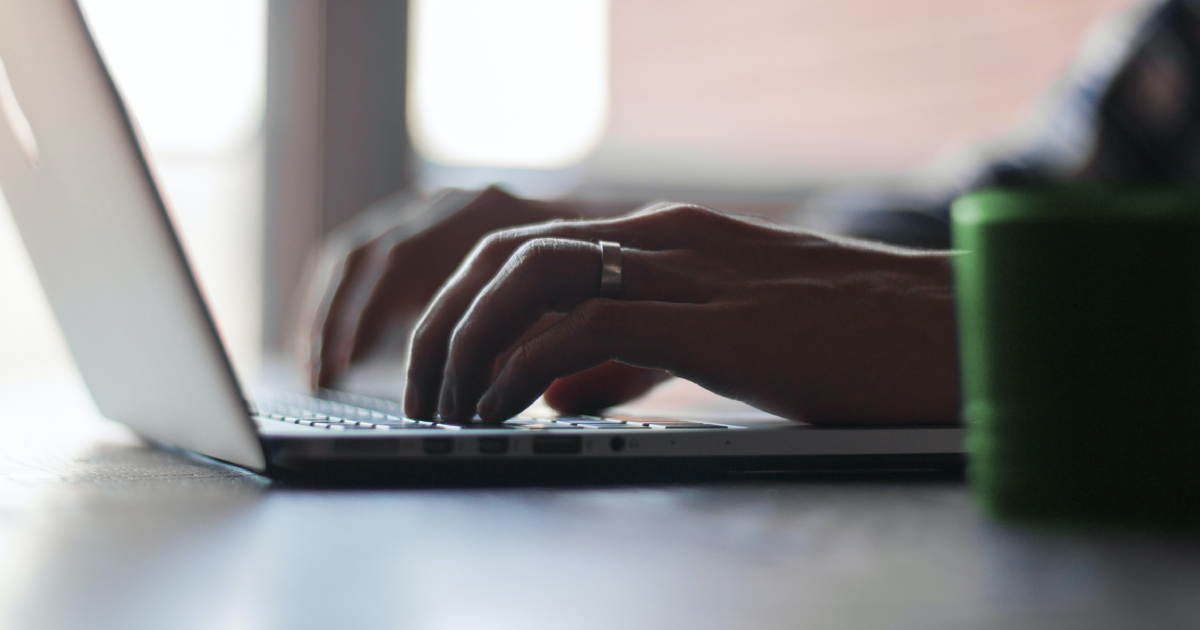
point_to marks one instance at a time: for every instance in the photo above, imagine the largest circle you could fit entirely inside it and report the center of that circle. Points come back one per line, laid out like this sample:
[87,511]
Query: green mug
[1079,344]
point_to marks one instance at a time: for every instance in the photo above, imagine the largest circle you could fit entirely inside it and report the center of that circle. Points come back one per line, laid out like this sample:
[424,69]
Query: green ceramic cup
[1079,341]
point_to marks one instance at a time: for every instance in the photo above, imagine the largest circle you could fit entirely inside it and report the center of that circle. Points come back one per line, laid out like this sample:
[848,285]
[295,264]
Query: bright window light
[514,83]
[194,74]
[193,71]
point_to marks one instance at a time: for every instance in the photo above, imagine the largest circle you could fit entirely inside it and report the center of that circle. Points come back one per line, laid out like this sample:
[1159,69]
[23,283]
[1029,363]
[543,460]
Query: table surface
[100,530]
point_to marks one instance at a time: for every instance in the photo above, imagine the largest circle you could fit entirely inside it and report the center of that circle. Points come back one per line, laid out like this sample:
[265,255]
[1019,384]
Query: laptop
[101,239]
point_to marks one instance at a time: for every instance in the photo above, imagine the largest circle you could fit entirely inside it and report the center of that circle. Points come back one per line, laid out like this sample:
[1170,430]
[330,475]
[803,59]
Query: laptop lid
[101,240]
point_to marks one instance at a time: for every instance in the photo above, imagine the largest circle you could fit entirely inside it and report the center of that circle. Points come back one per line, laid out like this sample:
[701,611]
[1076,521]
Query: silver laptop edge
[103,245]
[86,203]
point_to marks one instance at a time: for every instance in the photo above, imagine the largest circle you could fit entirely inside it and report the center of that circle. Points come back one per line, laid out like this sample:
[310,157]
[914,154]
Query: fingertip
[315,378]
[487,407]
[312,372]
[324,378]
[420,397]
[446,399]
[412,402]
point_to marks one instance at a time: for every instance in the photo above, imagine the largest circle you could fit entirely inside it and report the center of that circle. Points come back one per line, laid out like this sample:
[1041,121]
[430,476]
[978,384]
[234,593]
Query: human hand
[809,327]
[381,270]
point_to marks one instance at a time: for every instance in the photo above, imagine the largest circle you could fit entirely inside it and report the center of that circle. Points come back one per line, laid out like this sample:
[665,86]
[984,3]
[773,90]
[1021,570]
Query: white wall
[193,73]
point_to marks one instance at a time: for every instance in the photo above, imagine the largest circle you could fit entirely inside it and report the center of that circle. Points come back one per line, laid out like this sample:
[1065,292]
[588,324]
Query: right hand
[803,325]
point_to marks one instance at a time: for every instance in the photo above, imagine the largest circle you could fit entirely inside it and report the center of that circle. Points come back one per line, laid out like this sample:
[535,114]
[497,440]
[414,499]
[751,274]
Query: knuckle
[535,255]
[339,245]
[420,333]
[456,340]
[492,240]
[494,193]
[496,246]
[394,248]
[355,258]
[687,212]
[429,334]
[490,244]
[487,201]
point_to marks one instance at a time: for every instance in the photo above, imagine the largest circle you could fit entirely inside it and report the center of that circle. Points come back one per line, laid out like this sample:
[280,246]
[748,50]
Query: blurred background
[272,121]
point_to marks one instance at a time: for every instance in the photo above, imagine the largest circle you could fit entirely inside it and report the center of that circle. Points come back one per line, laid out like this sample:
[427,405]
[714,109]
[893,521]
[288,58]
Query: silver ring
[610,269]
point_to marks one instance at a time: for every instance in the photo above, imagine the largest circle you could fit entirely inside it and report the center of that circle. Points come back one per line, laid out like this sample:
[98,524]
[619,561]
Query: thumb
[603,386]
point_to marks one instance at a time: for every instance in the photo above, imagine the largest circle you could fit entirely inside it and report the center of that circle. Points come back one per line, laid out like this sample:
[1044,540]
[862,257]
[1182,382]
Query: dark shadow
[606,473]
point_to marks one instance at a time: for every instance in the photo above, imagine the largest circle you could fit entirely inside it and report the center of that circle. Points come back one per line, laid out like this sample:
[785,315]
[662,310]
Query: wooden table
[100,530]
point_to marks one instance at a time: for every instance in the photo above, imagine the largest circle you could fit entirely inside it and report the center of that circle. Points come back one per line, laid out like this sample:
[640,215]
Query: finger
[544,276]
[331,262]
[353,275]
[644,334]
[331,347]
[601,387]
[660,228]
[305,320]
[430,338]
[426,254]
[398,295]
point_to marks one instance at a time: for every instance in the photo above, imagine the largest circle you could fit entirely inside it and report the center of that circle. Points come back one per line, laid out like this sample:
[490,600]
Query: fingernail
[446,400]
[411,399]
[323,377]
[487,404]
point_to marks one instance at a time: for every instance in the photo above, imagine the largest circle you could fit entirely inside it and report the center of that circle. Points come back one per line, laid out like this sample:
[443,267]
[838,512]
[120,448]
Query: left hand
[808,327]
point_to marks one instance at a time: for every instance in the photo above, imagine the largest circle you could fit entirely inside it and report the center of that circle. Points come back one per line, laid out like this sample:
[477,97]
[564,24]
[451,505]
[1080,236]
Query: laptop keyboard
[343,411]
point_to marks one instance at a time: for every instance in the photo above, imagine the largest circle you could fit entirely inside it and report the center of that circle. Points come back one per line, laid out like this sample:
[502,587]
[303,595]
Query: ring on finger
[610,269]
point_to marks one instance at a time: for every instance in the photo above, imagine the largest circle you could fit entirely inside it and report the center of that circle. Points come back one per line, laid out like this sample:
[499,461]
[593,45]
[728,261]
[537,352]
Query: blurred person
[503,295]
